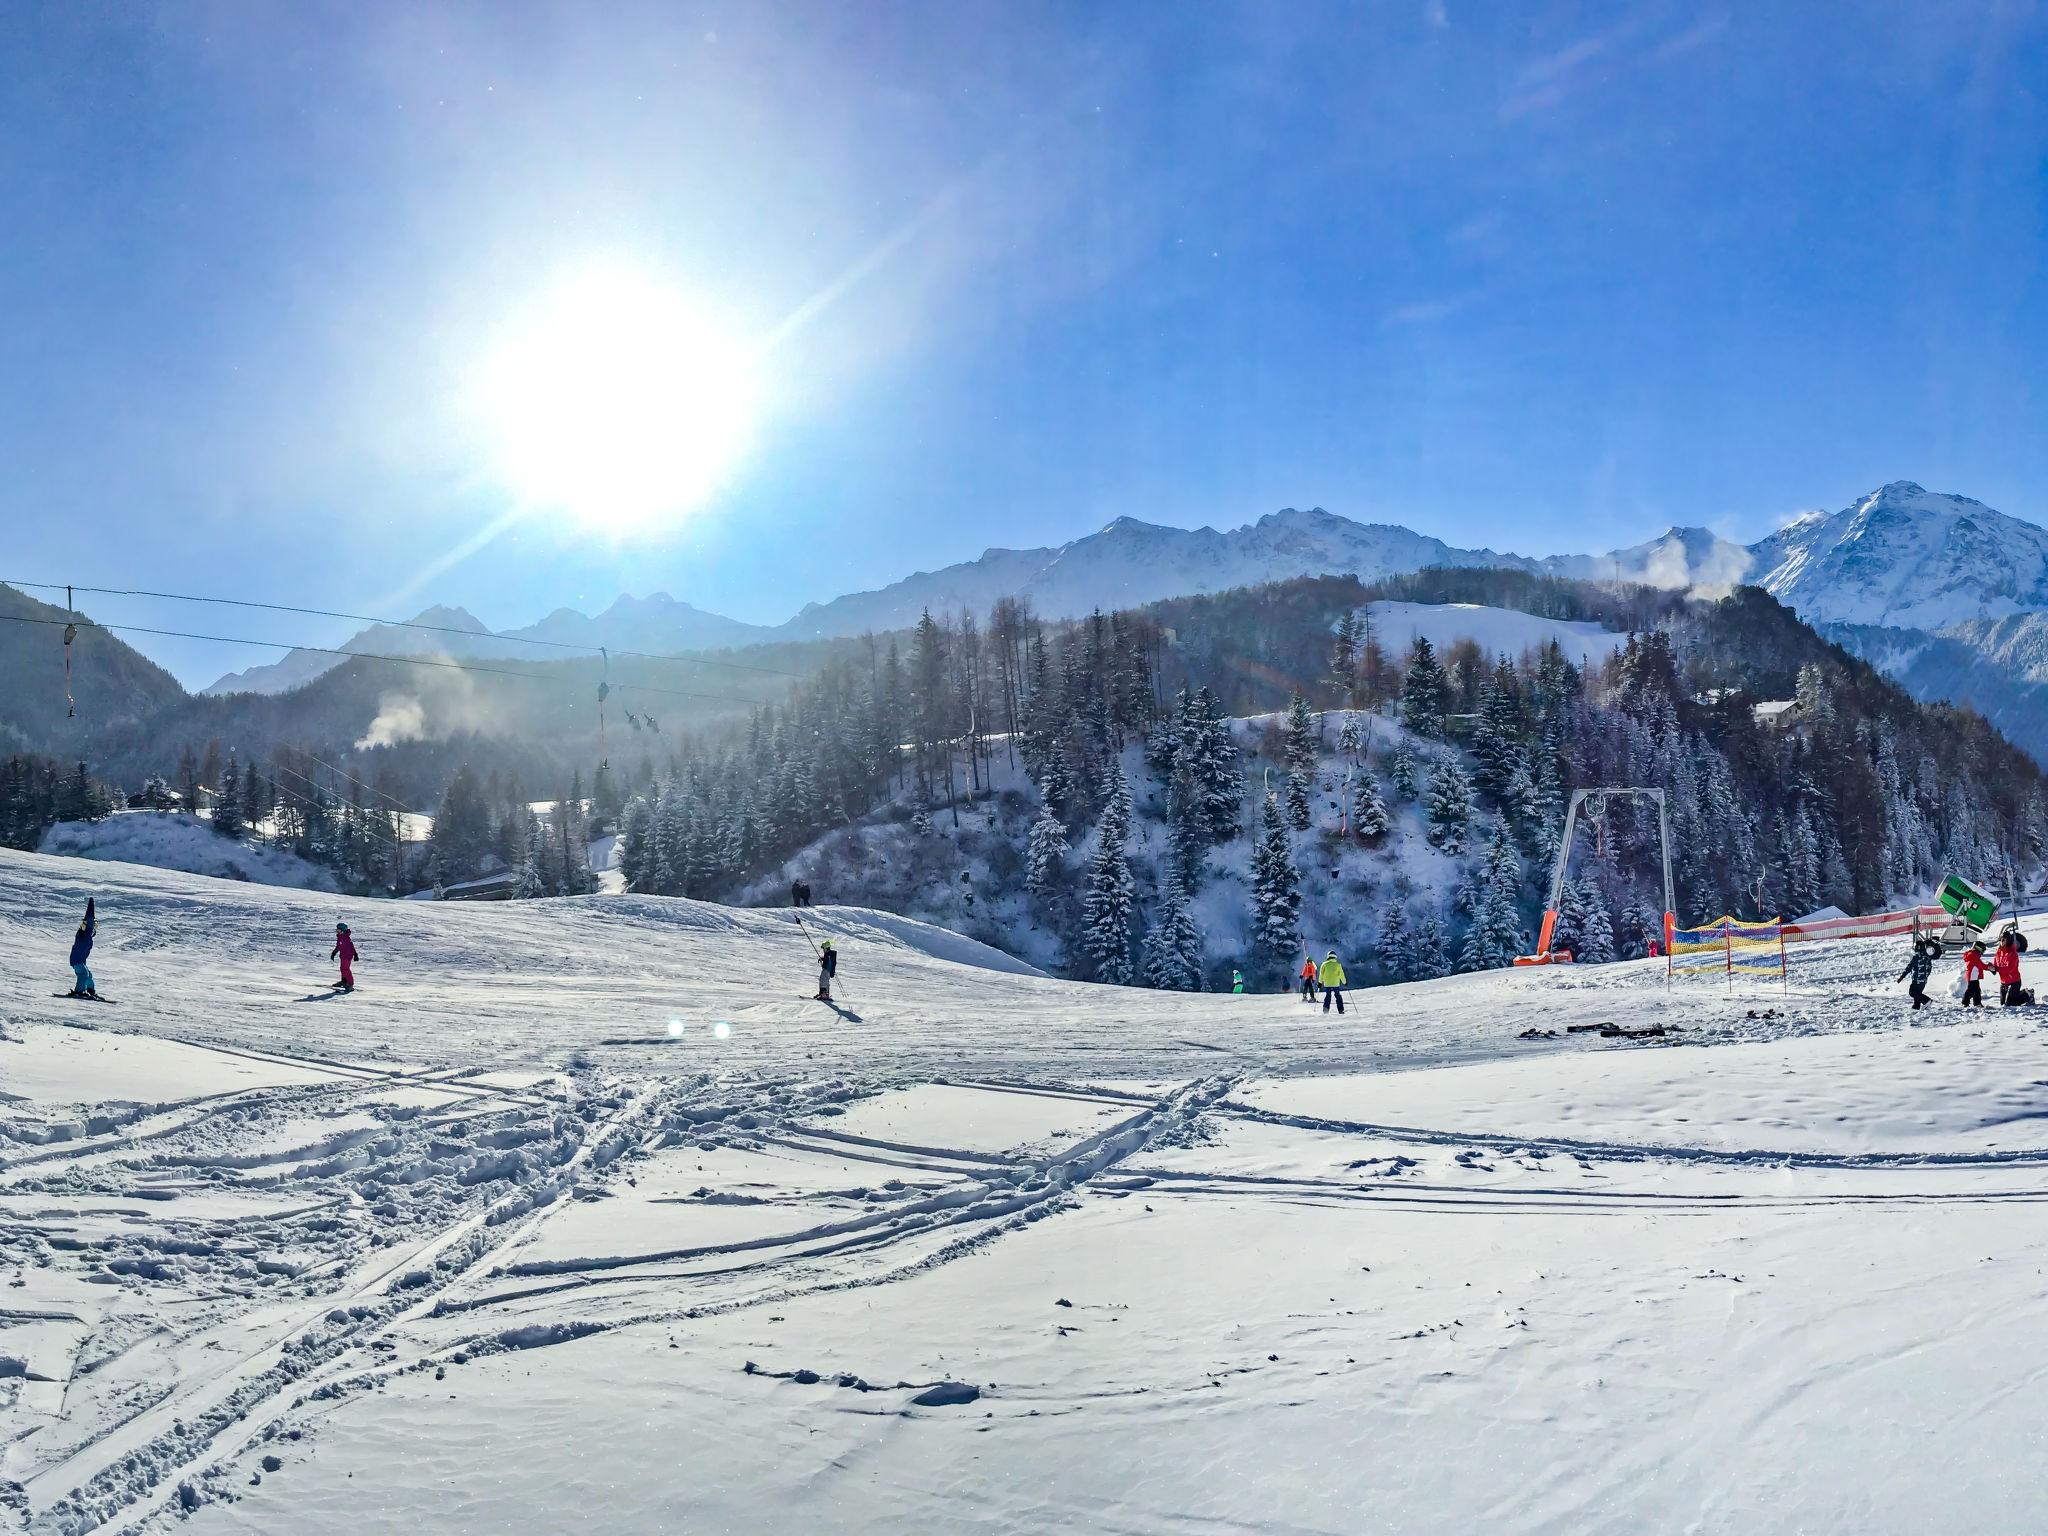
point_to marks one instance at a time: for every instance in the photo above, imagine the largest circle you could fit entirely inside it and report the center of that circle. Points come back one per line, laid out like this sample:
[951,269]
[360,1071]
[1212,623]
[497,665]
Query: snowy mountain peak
[1906,557]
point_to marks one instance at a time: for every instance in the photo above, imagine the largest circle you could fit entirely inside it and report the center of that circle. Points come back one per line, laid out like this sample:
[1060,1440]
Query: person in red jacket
[345,952]
[1308,979]
[1973,975]
[2006,961]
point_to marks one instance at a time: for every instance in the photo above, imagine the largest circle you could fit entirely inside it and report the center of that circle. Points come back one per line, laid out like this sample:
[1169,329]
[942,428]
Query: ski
[80,997]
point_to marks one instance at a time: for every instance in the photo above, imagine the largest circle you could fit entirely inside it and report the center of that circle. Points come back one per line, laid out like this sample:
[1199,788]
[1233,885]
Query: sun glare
[616,402]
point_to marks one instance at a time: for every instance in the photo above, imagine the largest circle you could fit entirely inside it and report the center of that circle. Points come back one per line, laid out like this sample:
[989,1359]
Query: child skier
[1236,980]
[1308,979]
[828,967]
[81,951]
[345,952]
[1332,978]
[1973,975]
[2006,961]
[1919,968]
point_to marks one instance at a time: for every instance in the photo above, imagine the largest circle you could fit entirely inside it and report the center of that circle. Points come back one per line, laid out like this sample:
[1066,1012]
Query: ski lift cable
[361,618]
[402,807]
[410,661]
[364,831]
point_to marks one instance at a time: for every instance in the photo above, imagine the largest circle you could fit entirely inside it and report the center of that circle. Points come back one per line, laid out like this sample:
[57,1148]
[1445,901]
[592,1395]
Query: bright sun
[617,402]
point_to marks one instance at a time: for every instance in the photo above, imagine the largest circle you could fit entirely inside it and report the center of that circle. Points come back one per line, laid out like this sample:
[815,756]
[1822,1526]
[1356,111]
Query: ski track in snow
[245,1243]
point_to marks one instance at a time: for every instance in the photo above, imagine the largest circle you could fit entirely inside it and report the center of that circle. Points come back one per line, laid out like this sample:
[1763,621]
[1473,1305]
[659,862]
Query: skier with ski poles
[828,963]
[81,951]
[1332,978]
[1308,977]
[345,951]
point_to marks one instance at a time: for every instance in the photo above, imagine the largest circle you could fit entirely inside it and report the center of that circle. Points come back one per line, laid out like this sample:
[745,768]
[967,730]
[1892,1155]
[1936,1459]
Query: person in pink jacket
[345,952]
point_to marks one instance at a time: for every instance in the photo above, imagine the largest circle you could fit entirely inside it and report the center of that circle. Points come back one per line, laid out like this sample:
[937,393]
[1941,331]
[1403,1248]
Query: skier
[1973,975]
[2006,961]
[1236,981]
[81,951]
[344,951]
[828,967]
[1332,978]
[1308,979]
[1919,967]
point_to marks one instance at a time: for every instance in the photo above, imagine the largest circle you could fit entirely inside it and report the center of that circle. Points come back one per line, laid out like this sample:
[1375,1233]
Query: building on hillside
[1780,715]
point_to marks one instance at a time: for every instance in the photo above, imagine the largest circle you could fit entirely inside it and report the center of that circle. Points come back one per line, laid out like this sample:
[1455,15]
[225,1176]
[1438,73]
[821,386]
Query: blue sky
[1542,277]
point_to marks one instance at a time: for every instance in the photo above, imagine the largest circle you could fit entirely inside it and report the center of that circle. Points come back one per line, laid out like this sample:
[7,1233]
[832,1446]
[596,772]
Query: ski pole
[806,933]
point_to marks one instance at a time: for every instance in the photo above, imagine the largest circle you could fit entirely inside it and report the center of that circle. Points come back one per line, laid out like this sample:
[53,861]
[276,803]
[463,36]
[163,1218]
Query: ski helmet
[827,944]
[341,927]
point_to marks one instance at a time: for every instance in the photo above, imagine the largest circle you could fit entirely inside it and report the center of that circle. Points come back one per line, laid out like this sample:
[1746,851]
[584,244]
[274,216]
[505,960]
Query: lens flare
[721,1029]
[675,1029]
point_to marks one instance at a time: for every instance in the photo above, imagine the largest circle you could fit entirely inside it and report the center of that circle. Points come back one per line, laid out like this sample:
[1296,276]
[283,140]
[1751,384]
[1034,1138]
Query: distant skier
[799,893]
[345,951]
[1308,978]
[828,967]
[1332,978]
[2006,961]
[1973,975]
[1236,981]
[81,951]
[1919,968]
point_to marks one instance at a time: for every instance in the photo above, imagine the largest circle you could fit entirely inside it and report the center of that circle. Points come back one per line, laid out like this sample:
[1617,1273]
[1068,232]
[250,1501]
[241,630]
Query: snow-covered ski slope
[486,1246]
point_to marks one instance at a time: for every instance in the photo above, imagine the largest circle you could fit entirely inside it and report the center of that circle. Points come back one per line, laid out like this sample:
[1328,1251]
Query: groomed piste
[577,1216]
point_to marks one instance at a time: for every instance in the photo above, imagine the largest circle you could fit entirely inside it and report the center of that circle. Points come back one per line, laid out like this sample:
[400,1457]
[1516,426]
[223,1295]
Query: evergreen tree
[1107,907]
[636,843]
[1403,774]
[1450,805]
[1425,695]
[1397,960]
[1596,928]
[227,804]
[1173,949]
[1348,737]
[1496,936]
[1369,817]
[1276,894]
[1044,867]
[1428,948]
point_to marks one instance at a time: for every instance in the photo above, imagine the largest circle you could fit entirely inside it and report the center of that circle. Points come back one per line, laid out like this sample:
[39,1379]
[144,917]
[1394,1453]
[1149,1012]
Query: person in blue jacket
[81,951]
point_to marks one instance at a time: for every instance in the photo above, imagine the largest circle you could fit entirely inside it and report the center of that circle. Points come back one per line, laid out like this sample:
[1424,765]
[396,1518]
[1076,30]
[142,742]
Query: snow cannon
[1967,902]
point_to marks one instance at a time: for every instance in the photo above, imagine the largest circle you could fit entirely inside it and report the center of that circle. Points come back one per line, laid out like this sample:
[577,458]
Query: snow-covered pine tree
[1369,818]
[636,837]
[227,801]
[921,823]
[1403,774]
[1276,894]
[1348,737]
[1214,763]
[1396,957]
[1425,695]
[1187,834]
[1044,869]
[1173,949]
[1596,927]
[1117,806]
[533,880]
[1496,937]
[1107,907]
[1450,804]
[1428,948]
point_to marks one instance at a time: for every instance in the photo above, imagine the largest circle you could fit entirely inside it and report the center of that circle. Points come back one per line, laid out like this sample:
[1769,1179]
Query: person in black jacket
[81,951]
[828,967]
[1919,968]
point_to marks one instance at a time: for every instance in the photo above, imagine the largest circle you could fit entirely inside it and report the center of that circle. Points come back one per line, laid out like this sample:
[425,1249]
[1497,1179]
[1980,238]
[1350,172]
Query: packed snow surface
[577,1215]
[175,840]
[1496,631]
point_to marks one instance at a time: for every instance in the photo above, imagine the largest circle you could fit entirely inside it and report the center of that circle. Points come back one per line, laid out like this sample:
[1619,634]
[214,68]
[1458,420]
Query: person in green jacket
[1332,979]
[1237,981]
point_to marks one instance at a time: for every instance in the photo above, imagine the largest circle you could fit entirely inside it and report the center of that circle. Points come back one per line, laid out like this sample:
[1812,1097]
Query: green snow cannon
[1966,902]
